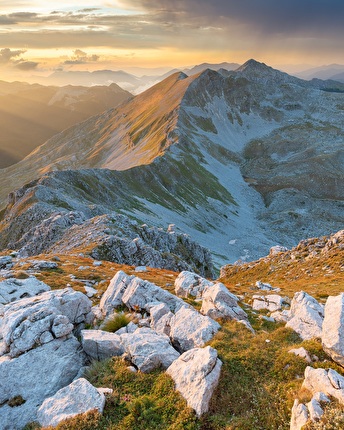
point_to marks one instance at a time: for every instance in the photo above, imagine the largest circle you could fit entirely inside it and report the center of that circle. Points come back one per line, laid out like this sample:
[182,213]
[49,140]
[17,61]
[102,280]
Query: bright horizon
[39,37]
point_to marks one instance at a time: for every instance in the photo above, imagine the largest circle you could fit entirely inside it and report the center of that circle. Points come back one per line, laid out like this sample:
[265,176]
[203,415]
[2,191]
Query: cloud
[81,57]
[26,65]
[7,55]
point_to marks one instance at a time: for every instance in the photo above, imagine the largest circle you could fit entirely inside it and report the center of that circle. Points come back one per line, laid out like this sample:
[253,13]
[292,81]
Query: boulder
[43,265]
[149,350]
[301,352]
[190,284]
[77,398]
[281,316]
[270,302]
[315,410]
[196,374]
[112,298]
[299,415]
[6,262]
[218,302]
[100,345]
[333,328]
[327,381]
[35,376]
[190,329]
[15,289]
[306,316]
[160,318]
[31,322]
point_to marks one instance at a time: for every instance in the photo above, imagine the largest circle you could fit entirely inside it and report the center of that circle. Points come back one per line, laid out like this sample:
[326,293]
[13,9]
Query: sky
[38,37]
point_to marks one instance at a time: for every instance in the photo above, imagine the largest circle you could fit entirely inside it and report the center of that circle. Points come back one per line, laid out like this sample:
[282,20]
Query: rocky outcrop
[99,345]
[306,316]
[189,283]
[270,302]
[148,350]
[333,328]
[34,376]
[327,381]
[15,289]
[196,374]
[299,415]
[77,398]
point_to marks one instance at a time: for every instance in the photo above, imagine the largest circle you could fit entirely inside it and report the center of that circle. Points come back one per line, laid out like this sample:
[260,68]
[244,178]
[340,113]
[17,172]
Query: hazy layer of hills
[31,114]
[333,71]
[241,160]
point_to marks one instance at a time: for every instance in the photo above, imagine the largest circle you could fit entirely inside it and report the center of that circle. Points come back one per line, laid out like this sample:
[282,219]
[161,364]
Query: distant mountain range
[333,71]
[31,114]
[240,160]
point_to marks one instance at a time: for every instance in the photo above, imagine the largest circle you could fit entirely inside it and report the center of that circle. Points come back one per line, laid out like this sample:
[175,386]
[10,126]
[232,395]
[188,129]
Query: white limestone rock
[333,328]
[315,410]
[306,316]
[160,318]
[218,302]
[299,415]
[301,352]
[196,374]
[15,289]
[190,329]
[327,381]
[35,376]
[281,316]
[43,264]
[31,322]
[189,283]
[6,262]
[264,286]
[77,398]
[148,349]
[274,250]
[100,345]
[112,298]
[90,292]
[270,302]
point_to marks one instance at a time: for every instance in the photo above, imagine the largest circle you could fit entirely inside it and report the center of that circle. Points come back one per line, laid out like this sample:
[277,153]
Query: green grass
[116,322]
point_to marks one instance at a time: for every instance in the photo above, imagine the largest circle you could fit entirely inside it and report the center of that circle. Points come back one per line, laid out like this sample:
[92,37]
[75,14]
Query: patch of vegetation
[16,401]
[333,418]
[206,124]
[116,322]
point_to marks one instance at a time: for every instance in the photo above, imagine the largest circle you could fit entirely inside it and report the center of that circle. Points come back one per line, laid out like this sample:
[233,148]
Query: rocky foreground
[49,338]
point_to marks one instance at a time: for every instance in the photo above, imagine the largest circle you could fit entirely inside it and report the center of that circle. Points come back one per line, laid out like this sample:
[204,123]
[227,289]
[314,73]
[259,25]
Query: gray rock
[112,298]
[27,323]
[35,376]
[15,289]
[299,415]
[189,283]
[306,316]
[149,350]
[100,345]
[196,374]
[43,265]
[327,381]
[77,398]
[6,262]
[218,302]
[315,410]
[270,302]
[281,316]
[301,352]
[190,329]
[333,328]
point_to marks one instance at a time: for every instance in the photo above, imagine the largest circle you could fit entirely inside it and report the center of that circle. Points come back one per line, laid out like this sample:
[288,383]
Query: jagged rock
[129,328]
[196,374]
[271,302]
[281,316]
[264,286]
[301,352]
[333,328]
[327,381]
[160,318]
[148,349]
[112,298]
[100,345]
[140,269]
[315,410]
[90,292]
[299,415]
[14,289]
[189,283]
[218,302]
[274,250]
[30,322]
[43,265]
[190,329]
[35,376]
[6,262]
[77,398]
[306,316]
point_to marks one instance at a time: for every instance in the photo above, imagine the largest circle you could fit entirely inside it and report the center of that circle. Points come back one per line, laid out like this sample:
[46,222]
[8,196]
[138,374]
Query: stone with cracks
[299,415]
[270,302]
[5,262]
[112,298]
[77,398]
[315,410]
[31,322]
[100,345]
[161,316]
[35,376]
[218,302]
[306,316]
[15,289]
[196,374]
[333,328]
[327,381]
[149,350]
[189,283]
[190,329]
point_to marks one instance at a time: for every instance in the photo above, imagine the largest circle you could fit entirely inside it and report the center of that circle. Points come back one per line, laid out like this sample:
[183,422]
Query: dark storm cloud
[268,16]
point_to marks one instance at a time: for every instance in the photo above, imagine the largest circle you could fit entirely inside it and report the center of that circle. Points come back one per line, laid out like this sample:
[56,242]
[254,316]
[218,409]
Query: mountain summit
[240,160]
